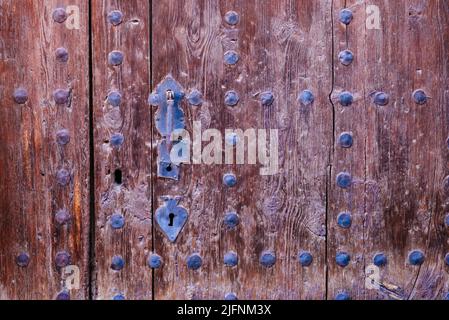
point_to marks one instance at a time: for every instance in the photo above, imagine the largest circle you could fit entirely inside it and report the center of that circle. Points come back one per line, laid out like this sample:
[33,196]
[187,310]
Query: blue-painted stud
[346,98]
[63,295]
[416,258]
[305,258]
[446,297]
[420,97]
[231,259]
[116,140]
[381,98]
[346,57]
[117,263]
[20,95]
[346,16]
[61,96]
[231,220]
[59,15]
[344,180]
[117,221]
[231,57]
[62,217]
[154,261]
[267,98]
[231,98]
[231,296]
[62,55]
[118,297]
[114,98]
[342,259]
[229,180]
[232,18]
[344,220]
[345,140]
[341,296]
[306,97]
[267,259]
[23,259]
[446,259]
[194,261]
[446,221]
[195,98]
[115,58]
[115,17]
[232,138]
[62,137]
[62,259]
[380,260]
[63,177]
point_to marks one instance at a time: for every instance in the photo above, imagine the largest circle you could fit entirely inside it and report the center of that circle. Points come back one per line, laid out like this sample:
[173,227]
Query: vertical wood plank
[399,157]
[122,136]
[43,172]
[283,47]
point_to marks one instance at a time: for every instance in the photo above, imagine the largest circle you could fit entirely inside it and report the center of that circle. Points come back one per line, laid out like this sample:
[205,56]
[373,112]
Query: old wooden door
[350,98]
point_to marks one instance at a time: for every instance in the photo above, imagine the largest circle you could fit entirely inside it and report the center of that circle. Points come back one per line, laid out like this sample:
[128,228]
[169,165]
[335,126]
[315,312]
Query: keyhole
[171,216]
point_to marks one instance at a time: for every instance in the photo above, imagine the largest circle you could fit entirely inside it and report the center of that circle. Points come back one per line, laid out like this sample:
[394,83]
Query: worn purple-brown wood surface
[79,172]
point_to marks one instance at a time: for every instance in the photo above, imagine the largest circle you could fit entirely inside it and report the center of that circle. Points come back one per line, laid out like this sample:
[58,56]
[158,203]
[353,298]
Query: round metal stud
[62,217]
[62,259]
[267,98]
[346,98]
[114,98]
[446,259]
[267,259]
[346,57]
[115,58]
[63,177]
[63,295]
[342,259]
[306,97]
[305,258]
[231,98]
[154,261]
[23,259]
[194,261]
[20,95]
[344,220]
[195,98]
[62,137]
[117,221]
[416,258]
[119,297]
[231,57]
[380,260]
[116,140]
[231,220]
[117,263]
[381,98]
[61,96]
[232,18]
[115,17]
[231,259]
[59,15]
[62,55]
[231,296]
[346,16]
[342,296]
[420,97]
[344,180]
[345,140]
[446,221]
[229,180]
[232,138]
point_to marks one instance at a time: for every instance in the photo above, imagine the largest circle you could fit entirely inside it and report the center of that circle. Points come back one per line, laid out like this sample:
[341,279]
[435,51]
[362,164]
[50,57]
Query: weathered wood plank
[34,150]
[122,137]
[284,47]
[399,157]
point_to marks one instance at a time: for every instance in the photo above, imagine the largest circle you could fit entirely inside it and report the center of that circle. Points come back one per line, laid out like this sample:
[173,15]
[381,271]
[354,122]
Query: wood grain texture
[131,197]
[30,156]
[399,158]
[285,47]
